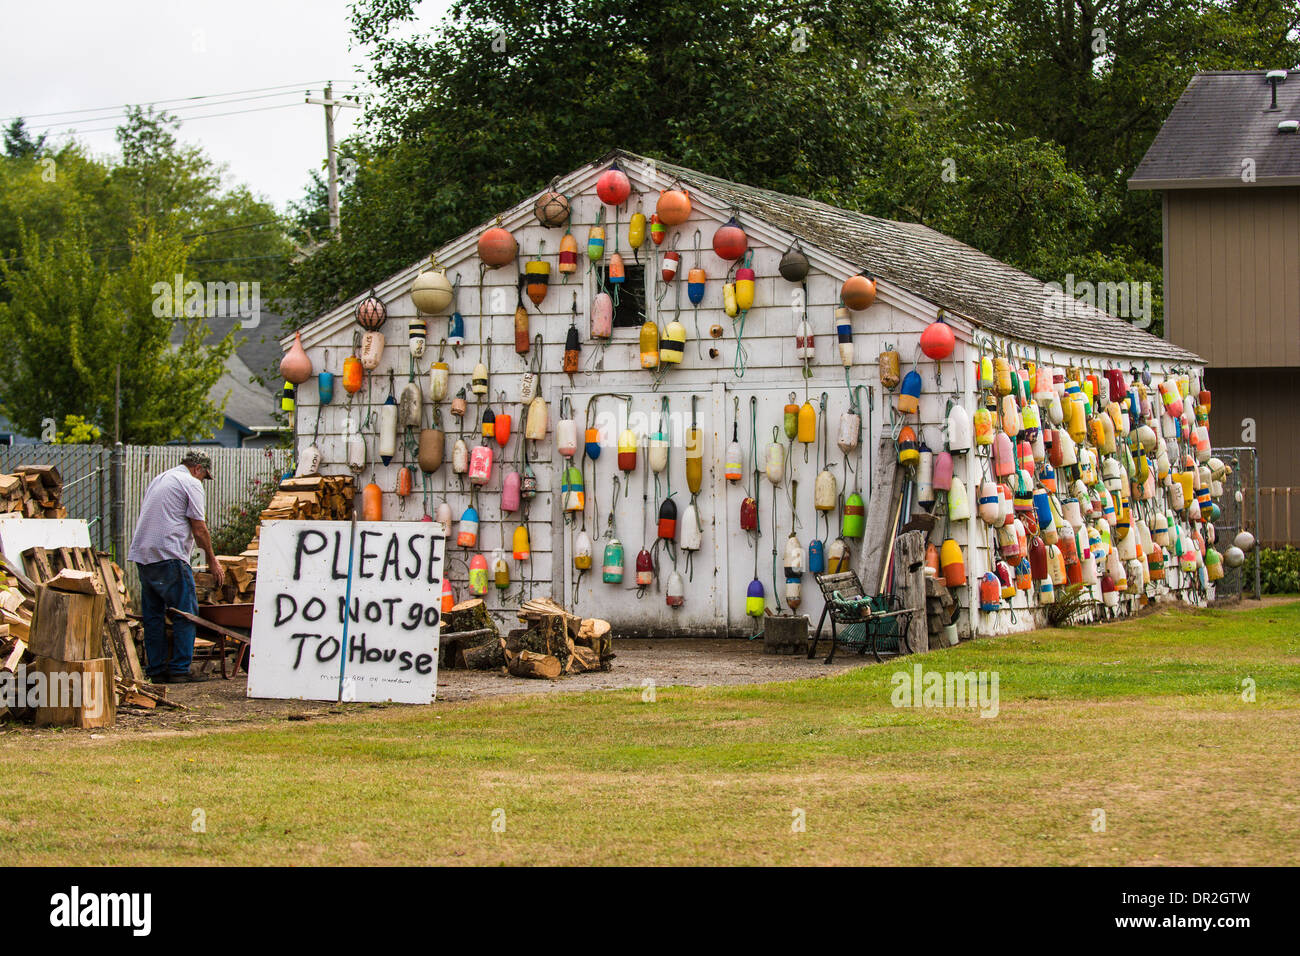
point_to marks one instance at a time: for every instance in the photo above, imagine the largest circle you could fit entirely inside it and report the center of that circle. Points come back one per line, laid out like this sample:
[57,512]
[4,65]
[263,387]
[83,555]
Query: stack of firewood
[314,498]
[34,491]
[552,643]
[95,636]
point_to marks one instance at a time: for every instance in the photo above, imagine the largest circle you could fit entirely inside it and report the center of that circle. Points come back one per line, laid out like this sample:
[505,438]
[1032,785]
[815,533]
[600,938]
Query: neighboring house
[249,384]
[1227,161]
[10,436]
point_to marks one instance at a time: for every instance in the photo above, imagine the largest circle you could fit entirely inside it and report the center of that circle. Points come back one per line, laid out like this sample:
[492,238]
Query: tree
[71,323]
[19,143]
[1099,77]
[502,96]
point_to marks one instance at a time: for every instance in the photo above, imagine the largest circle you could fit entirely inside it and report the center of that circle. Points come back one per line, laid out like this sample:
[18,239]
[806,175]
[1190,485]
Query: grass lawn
[1143,720]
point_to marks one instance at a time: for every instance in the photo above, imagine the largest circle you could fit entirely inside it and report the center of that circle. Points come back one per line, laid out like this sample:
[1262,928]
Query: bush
[232,533]
[1279,570]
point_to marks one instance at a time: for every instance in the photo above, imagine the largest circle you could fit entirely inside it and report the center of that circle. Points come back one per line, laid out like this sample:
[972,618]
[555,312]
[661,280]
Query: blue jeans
[165,584]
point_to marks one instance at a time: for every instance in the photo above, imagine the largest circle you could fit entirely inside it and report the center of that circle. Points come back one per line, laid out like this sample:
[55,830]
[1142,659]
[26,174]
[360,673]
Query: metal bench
[865,622]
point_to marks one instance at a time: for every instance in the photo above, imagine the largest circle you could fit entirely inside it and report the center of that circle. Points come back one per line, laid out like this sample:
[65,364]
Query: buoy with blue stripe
[844,333]
[695,280]
[572,493]
[467,532]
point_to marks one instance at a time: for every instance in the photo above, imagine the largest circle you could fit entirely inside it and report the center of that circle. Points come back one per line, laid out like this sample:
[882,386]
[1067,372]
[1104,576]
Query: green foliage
[77,431]
[235,235]
[463,128]
[856,104]
[1279,570]
[1072,602]
[71,323]
[19,143]
[234,530]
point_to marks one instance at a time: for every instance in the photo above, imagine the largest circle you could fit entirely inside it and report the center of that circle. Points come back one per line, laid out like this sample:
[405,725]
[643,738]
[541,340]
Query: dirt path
[666,661]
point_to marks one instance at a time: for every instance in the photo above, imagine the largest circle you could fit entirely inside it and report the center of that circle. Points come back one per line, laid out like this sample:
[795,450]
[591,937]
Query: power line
[259,109]
[176,99]
[178,115]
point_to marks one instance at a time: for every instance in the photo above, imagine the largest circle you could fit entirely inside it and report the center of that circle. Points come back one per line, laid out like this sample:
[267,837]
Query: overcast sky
[58,56]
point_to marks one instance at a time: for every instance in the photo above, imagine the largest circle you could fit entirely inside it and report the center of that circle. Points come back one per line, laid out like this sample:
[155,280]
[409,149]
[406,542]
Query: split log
[73,582]
[594,633]
[98,702]
[471,615]
[14,657]
[120,636]
[909,578]
[583,659]
[66,626]
[530,664]
[485,657]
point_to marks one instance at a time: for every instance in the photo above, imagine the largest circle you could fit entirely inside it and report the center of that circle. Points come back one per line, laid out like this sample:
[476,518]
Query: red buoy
[937,341]
[613,186]
[730,241]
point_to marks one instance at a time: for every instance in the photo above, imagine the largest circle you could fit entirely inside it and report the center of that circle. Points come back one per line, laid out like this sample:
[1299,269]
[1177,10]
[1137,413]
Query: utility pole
[331,105]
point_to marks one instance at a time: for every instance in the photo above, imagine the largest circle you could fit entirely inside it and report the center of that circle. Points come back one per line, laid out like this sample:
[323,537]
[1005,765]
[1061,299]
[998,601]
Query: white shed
[747,362]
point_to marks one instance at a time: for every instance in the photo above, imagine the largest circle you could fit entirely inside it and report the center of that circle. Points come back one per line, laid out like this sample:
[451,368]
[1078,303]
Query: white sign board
[388,577]
[17,534]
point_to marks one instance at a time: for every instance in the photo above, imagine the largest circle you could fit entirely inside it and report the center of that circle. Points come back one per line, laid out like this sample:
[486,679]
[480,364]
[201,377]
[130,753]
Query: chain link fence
[1240,511]
[86,482]
[105,486]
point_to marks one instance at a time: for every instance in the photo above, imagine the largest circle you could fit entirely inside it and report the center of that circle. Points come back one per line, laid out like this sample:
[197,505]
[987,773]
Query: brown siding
[1270,397]
[1232,274]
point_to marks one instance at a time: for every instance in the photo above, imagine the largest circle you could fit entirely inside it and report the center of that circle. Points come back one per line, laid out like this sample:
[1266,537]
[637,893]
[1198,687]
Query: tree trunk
[529,664]
[468,615]
[485,657]
[67,626]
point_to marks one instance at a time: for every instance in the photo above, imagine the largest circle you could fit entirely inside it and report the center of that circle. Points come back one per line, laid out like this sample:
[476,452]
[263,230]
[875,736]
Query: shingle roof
[1221,119]
[258,354]
[940,269]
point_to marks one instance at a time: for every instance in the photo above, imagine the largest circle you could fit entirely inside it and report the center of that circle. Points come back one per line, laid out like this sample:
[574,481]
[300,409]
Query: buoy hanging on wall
[552,209]
[673,207]
[497,247]
[937,341]
[730,241]
[859,291]
[613,186]
[296,364]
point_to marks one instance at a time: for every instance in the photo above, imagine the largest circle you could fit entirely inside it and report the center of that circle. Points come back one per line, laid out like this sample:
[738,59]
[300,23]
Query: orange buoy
[352,374]
[372,503]
[953,564]
[859,292]
[496,247]
[674,207]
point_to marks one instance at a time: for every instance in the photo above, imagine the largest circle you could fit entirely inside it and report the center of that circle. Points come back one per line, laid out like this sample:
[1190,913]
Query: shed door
[635,510]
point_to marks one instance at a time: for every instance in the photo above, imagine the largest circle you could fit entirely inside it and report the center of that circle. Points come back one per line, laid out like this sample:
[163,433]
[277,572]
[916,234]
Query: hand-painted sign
[373,588]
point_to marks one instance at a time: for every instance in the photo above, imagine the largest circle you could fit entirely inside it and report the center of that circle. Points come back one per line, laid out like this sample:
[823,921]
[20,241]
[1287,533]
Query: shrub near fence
[1279,570]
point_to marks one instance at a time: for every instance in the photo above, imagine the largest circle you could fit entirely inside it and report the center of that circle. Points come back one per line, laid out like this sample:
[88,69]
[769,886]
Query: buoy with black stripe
[672,345]
[844,335]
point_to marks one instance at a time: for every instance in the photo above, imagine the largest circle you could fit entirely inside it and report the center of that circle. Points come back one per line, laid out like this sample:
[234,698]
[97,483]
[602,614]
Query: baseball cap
[197,459]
